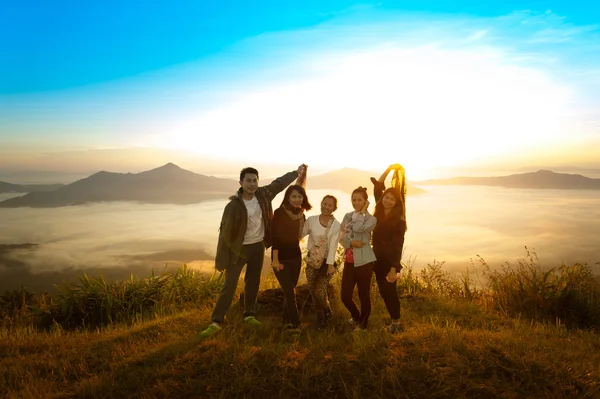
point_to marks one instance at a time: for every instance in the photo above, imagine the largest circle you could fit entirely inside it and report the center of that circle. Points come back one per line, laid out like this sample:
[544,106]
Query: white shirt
[315,230]
[255,231]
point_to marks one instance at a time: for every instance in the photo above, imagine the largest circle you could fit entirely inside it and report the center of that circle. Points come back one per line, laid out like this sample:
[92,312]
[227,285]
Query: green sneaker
[252,321]
[210,331]
[290,329]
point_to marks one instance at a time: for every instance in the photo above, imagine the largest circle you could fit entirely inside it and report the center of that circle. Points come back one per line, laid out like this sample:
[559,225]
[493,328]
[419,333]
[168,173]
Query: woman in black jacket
[287,226]
[388,239]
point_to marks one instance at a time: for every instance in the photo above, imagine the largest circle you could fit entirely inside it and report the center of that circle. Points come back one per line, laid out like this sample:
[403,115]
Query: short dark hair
[248,170]
[288,193]
[332,198]
[361,190]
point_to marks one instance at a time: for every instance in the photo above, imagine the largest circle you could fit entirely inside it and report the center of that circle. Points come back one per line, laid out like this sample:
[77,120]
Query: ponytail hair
[362,191]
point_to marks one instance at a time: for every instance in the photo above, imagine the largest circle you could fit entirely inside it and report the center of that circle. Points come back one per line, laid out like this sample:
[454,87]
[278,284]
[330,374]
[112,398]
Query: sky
[462,86]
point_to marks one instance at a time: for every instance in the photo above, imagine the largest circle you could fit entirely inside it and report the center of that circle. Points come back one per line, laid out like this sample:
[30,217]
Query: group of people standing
[372,244]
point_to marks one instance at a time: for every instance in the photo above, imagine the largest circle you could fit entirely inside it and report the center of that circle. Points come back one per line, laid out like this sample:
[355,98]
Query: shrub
[567,294]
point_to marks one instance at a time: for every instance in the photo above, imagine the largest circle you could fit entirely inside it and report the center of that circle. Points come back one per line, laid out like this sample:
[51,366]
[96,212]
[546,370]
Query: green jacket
[235,220]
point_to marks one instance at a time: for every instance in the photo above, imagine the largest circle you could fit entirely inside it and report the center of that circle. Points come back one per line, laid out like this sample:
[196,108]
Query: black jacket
[388,235]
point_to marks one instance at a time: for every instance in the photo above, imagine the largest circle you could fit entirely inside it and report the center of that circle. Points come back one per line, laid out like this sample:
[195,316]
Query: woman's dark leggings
[357,276]
[388,290]
[288,279]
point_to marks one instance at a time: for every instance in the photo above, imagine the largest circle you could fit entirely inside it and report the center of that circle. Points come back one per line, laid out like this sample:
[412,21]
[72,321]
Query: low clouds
[451,224]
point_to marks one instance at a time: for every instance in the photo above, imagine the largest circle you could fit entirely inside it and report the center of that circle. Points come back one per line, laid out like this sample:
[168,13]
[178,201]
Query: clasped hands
[302,169]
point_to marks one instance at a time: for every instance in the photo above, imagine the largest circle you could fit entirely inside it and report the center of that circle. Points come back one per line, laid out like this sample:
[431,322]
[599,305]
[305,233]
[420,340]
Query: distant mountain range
[172,184]
[542,179]
[169,184]
[27,188]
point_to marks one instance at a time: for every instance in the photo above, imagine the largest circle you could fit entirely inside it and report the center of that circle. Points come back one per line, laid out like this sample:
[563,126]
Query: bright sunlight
[428,108]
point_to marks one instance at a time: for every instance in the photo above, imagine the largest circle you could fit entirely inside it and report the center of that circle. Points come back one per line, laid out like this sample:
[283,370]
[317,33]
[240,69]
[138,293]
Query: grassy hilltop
[530,333]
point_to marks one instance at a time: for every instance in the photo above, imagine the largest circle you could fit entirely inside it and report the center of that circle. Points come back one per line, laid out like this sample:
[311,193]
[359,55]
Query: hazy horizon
[267,172]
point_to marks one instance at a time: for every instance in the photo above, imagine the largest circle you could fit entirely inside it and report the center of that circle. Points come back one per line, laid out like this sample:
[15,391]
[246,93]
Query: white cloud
[450,89]
[425,104]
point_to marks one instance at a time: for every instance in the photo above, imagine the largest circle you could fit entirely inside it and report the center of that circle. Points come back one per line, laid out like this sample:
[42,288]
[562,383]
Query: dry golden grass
[460,341]
[448,350]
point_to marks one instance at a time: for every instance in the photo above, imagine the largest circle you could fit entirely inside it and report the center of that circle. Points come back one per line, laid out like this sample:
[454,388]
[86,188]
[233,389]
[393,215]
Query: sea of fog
[451,224]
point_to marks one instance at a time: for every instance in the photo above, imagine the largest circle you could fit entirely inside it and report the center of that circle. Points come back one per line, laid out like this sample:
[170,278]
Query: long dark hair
[306,206]
[397,212]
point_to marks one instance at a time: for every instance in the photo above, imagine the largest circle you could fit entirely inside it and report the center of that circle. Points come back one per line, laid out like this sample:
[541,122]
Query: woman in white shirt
[323,232]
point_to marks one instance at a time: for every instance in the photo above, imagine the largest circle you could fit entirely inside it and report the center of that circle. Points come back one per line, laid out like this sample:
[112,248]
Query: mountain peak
[168,166]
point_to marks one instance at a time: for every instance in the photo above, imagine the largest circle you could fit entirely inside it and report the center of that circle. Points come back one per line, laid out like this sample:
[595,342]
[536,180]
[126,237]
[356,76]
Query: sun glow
[423,107]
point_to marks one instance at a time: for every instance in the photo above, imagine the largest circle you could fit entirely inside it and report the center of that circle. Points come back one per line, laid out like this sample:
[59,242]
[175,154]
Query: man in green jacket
[243,236]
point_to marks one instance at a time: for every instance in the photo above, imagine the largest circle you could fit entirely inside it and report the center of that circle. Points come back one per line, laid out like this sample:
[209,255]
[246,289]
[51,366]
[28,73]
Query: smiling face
[327,206]
[296,199]
[358,201]
[388,201]
[249,184]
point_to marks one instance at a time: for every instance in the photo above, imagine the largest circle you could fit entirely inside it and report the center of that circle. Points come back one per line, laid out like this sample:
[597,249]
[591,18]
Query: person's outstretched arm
[301,180]
[279,184]
[379,184]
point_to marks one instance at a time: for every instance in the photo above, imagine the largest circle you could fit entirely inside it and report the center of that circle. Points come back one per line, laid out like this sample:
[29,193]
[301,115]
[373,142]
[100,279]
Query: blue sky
[512,81]
[65,44]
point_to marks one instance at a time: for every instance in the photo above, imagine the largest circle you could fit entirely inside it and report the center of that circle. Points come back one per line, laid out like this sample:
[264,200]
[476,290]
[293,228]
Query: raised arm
[386,173]
[279,184]
[379,184]
[301,180]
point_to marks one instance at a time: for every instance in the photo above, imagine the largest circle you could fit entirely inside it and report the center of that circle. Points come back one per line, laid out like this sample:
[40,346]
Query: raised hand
[301,180]
[365,207]
[302,169]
